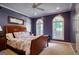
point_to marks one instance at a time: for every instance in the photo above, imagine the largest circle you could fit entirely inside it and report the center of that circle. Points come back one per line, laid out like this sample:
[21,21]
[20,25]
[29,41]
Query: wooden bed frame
[37,45]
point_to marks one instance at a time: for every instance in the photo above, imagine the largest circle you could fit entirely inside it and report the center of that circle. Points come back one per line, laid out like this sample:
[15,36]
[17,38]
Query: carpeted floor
[55,48]
[7,52]
[58,48]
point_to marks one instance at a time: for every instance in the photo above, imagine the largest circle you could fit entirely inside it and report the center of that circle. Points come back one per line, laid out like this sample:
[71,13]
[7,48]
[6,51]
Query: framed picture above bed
[14,20]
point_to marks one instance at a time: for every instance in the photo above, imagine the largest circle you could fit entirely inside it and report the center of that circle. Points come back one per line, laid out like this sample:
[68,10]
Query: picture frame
[14,20]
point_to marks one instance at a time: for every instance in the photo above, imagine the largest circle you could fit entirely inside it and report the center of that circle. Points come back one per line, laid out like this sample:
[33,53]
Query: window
[58,28]
[28,24]
[39,27]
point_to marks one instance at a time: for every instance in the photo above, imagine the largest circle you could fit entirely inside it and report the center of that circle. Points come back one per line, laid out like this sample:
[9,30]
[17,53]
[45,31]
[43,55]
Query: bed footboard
[38,45]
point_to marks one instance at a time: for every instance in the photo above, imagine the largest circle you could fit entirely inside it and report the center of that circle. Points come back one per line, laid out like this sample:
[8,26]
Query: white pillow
[21,34]
[9,36]
[27,33]
[24,34]
[17,34]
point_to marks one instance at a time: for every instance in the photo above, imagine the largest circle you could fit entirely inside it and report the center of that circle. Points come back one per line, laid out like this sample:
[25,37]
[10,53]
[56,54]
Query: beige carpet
[58,48]
[7,52]
[55,48]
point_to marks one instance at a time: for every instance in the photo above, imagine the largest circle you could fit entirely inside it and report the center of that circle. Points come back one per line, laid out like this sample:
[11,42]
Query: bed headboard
[14,28]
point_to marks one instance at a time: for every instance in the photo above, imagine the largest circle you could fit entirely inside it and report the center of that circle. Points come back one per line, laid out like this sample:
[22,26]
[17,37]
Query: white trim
[41,20]
[72,48]
[54,20]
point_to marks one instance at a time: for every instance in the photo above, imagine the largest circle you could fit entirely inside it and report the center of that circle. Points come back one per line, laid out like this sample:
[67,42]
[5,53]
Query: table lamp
[1,32]
[1,28]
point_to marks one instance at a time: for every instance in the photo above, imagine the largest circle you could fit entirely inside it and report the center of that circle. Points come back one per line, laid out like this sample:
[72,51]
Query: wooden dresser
[3,42]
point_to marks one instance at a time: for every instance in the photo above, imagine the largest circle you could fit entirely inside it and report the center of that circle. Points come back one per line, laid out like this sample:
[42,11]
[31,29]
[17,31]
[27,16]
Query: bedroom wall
[4,13]
[48,24]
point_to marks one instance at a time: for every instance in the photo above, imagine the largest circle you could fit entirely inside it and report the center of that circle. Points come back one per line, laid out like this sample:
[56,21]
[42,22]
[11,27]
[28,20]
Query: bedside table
[3,43]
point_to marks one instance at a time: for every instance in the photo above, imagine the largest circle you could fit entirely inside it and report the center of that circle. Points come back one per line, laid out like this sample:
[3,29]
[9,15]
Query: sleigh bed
[33,44]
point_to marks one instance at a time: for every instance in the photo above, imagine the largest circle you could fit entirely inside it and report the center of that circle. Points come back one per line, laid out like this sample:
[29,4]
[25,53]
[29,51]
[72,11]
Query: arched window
[28,24]
[39,27]
[58,28]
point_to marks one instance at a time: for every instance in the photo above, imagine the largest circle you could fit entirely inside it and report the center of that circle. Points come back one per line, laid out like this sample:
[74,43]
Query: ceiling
[26,8]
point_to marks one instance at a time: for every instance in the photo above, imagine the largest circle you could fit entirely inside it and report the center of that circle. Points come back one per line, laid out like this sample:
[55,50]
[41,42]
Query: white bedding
[22,43]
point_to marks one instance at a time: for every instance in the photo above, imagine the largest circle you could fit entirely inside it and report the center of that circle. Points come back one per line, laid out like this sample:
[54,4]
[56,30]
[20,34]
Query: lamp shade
[0,28]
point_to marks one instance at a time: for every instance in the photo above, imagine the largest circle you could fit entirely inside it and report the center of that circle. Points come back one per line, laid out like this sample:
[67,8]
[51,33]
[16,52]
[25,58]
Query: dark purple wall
[48,25]
[4,13]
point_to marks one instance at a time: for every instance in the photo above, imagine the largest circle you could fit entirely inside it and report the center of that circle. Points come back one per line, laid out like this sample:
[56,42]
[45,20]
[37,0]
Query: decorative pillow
[24,34]
[9,36]
[21,34]
[27,33]
[16,34]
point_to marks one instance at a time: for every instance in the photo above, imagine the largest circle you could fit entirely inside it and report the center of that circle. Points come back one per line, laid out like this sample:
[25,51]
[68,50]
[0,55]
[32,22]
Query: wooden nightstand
[3,43]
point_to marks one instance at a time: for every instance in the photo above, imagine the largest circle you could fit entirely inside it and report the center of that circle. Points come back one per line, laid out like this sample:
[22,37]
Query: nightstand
[3,43]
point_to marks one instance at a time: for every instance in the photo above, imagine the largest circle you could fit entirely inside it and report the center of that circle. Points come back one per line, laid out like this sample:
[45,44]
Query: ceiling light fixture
[57,8]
